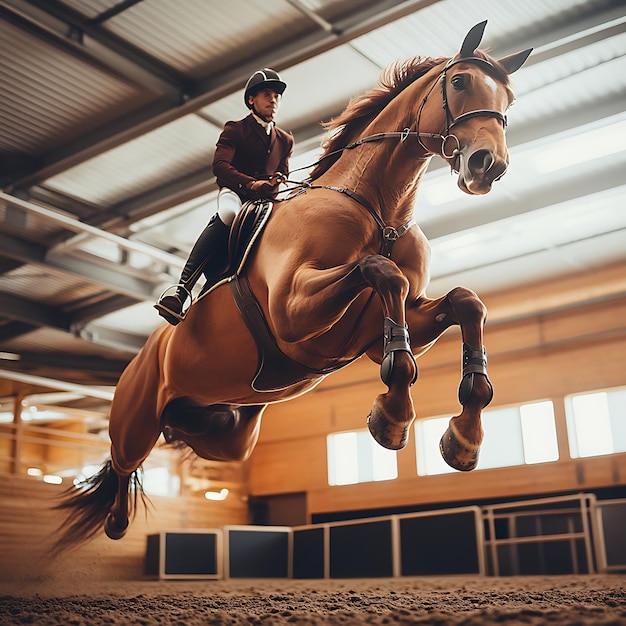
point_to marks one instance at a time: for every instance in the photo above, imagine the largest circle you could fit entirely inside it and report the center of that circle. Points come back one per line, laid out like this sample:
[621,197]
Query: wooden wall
[28,521]
[544,342]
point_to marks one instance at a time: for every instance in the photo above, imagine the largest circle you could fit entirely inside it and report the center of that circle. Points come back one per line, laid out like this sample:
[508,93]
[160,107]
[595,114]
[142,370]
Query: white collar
[266,125]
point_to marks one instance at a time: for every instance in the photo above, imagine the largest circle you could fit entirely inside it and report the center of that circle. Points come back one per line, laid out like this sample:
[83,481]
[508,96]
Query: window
[354,457]
[158,481]
[519,435]
[596,423]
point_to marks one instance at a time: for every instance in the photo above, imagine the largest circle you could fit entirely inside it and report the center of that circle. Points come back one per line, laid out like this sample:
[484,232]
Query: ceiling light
[217,495]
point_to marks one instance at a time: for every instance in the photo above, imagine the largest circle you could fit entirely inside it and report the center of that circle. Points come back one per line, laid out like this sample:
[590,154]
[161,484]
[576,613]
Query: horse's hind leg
[134,430]
[116,523]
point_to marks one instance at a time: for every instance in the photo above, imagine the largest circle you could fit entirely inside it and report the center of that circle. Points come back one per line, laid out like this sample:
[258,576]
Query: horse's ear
[472,40]
[513,62]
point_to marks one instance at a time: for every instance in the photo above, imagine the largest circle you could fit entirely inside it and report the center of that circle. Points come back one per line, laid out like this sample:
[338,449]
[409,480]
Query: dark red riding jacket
[245,152]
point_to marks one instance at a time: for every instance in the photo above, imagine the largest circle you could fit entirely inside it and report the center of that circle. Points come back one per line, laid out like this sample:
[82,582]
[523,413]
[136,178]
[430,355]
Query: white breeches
[228,205]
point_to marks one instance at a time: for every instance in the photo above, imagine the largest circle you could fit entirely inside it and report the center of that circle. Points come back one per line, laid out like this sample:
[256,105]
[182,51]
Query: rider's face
[266,103]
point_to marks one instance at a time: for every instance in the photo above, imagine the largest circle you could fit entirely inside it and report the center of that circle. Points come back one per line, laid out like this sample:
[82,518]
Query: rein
[390,233]
[451,121]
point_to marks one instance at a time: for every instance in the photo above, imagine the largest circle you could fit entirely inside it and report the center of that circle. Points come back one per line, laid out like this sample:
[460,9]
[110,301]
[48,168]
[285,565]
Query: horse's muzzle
[480,170]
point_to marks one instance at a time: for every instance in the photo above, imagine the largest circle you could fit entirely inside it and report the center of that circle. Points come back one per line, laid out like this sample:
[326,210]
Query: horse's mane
[362,109]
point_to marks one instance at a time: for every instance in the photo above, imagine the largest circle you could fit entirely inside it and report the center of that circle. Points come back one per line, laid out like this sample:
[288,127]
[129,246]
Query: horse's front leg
[329,293]
[460,444]
[392,414]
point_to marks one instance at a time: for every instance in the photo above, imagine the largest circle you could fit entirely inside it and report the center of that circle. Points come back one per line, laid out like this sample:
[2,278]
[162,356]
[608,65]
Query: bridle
[389,233]
[452,121]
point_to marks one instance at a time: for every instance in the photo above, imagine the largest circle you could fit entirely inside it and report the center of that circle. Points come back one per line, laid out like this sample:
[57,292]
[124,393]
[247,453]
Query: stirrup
[168,314]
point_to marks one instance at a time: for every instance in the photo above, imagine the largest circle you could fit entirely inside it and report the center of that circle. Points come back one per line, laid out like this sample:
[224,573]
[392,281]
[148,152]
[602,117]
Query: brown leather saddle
[275,370]
[246,227]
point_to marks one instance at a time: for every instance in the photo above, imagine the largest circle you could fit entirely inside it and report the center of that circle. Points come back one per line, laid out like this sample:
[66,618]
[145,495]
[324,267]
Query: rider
[251,160]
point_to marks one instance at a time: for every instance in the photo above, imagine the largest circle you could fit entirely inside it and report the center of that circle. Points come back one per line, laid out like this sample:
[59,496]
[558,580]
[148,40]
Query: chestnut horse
[339,271]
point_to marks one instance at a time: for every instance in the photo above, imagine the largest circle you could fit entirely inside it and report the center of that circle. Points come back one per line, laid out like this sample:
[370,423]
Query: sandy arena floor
[467,600]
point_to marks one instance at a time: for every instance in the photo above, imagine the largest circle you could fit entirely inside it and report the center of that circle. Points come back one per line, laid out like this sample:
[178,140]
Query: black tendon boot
[209,256]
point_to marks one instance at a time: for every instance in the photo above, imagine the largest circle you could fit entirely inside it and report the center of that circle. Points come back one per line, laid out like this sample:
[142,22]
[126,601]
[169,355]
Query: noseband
[452,121]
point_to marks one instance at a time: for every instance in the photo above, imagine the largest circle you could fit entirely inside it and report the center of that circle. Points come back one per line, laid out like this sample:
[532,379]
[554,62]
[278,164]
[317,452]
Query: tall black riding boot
[209,256]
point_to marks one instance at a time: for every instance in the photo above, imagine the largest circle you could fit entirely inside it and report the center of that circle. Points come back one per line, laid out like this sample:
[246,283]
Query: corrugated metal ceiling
[50,96]
[110,113]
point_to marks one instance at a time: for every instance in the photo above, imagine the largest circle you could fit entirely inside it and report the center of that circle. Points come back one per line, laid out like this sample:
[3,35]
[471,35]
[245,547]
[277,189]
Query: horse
[338,270]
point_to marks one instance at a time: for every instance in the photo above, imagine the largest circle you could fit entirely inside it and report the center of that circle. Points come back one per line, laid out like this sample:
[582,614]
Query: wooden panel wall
[544,342]
[27,522]
[575,341]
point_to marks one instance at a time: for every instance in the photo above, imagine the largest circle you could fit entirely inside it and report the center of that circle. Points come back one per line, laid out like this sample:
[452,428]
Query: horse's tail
[89,503]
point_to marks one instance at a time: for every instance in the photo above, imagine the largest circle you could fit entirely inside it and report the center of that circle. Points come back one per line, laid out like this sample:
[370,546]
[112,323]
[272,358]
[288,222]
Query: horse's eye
[458,82]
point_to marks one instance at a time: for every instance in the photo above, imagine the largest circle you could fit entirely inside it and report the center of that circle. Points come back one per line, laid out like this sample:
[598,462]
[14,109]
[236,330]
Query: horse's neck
[386,172]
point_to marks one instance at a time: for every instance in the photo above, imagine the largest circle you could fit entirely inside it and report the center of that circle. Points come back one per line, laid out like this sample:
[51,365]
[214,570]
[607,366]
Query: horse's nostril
[480,161]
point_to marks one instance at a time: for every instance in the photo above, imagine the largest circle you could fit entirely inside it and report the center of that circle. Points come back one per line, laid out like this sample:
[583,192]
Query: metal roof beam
[109,338]
[157,199]
[33,313]
[130,126]
[11,330]
[82,228]
[63,362]
[535,199]
[105,274]
[552,40]
[72,29]
[103,307]
[37,315]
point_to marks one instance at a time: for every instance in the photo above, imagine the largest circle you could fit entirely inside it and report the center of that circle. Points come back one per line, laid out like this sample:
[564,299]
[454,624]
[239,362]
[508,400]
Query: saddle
[246,227]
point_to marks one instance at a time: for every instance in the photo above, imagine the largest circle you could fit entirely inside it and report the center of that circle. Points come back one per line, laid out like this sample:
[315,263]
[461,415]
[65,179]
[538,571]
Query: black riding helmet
[261,79]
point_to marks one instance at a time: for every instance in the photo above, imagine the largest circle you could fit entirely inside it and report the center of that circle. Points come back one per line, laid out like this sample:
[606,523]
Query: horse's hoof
[112,530]
[458,455]
[386,433]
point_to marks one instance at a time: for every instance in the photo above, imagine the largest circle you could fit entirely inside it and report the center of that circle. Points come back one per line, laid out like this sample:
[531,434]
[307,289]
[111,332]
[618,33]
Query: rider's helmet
[261,79]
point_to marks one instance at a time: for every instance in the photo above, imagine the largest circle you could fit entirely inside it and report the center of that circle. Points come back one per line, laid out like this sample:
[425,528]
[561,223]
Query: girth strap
[275,370]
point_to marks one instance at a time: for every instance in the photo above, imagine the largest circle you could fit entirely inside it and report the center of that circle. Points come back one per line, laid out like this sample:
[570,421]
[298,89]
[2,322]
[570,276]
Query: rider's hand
[262,188]
[278,178]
